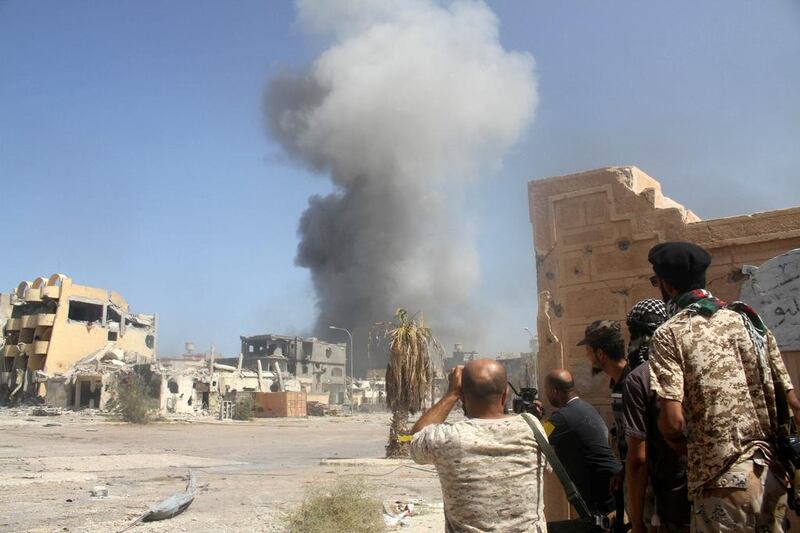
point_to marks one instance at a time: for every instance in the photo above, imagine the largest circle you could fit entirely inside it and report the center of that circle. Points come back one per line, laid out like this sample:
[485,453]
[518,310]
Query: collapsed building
[66,345]
[50,324]
[317,365]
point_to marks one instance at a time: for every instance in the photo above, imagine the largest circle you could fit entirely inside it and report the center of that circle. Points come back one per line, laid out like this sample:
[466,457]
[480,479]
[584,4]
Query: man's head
[645,317]
[559,387]
[484,387]
[679,267]
[605,346]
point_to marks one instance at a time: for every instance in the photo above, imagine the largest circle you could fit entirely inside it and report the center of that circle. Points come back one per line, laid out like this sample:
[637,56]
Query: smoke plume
[411,100]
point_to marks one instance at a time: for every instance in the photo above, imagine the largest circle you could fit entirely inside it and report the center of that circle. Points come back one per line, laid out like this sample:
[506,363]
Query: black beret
[682,264]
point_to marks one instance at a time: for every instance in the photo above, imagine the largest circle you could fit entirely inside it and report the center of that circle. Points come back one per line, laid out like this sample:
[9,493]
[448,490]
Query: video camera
[526,400]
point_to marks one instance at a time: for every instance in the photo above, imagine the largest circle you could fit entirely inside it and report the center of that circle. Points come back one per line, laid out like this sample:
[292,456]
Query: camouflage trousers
[753,500]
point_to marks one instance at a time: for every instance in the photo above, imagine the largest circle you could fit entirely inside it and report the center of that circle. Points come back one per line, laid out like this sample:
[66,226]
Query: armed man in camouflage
[712,367]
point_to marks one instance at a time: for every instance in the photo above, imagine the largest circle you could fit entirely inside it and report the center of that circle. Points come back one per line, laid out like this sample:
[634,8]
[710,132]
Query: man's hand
[454,381]
[438,413]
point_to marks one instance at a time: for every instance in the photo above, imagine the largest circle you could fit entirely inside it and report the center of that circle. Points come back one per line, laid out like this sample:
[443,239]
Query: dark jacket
[580,439]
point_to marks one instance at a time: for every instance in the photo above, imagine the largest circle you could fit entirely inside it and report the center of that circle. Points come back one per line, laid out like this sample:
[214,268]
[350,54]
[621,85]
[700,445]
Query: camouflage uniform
[491,472]
[711,365]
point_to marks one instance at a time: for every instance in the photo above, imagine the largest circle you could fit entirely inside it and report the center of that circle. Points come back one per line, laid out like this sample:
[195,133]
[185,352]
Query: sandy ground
[249,474]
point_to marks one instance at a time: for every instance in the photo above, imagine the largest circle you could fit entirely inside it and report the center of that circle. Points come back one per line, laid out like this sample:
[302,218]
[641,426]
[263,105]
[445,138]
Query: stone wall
[592,232]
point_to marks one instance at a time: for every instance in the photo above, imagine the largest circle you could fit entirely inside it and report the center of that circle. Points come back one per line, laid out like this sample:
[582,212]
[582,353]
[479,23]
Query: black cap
[600,330]
[682,264]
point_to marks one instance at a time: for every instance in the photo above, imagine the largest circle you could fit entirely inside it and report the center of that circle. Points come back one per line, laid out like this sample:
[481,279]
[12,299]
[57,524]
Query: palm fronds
[409,372]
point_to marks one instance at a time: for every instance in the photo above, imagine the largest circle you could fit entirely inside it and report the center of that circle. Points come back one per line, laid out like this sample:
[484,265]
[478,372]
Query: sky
[134,154]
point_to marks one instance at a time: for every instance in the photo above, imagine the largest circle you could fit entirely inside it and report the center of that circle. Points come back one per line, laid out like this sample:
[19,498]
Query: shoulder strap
[573,495]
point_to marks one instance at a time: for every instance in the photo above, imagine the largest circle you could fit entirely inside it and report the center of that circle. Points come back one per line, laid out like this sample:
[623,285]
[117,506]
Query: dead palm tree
[408,375]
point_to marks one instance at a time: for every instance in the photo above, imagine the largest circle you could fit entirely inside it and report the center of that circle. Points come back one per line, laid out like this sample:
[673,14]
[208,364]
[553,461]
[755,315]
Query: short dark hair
[614,348]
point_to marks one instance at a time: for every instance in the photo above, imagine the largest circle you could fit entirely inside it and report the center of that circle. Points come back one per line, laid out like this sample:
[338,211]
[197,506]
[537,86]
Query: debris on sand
[170,507]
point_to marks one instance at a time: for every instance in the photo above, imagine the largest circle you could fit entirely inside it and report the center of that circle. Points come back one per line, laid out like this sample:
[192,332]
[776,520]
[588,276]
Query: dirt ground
[249,474]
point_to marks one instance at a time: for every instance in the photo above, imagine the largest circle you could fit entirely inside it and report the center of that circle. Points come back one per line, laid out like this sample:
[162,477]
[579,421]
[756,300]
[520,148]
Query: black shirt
[618,433]
[580,439]
[666,468]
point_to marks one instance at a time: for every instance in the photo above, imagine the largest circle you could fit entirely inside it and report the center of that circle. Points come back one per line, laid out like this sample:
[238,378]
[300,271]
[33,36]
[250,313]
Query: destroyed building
[458,357]
[53,323]
[319,366]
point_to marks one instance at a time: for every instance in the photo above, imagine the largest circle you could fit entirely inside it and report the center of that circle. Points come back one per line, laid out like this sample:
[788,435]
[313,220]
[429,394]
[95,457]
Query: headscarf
[643,320]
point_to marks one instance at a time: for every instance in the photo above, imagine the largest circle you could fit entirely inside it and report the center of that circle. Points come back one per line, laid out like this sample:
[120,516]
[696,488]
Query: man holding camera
[718,374]
[490,466]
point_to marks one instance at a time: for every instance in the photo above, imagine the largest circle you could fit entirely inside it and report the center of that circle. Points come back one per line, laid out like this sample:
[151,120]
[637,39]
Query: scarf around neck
[703,303]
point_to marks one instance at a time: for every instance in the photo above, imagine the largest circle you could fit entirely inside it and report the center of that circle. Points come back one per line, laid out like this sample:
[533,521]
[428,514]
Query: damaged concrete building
[592,231]
[53,323]
[319,366]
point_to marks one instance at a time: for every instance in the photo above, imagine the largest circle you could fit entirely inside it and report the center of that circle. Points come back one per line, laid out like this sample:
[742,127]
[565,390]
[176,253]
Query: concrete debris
[316,408]
[99,491]
[45,411]
[398,520]
[398,513]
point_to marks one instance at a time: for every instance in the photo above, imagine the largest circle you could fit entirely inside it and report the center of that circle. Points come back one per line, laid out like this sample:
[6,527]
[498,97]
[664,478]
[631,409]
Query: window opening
[112,315]
[85,312]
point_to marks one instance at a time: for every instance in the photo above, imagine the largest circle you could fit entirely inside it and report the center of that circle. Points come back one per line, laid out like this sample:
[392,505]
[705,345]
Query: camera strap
[573,495]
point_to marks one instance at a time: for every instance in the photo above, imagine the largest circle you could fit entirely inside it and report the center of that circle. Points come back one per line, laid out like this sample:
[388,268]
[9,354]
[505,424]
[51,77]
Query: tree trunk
[397,447]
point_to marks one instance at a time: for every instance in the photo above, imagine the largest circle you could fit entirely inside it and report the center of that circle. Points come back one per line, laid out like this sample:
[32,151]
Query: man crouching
[489,465]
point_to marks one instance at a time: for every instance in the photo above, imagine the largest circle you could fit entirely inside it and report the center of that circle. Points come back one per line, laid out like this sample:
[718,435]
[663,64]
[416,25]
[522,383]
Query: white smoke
[411,100]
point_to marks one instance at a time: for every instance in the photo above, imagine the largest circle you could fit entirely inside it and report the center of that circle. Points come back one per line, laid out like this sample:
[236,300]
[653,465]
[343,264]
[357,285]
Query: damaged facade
[319,366]
[53,324]
[592,232]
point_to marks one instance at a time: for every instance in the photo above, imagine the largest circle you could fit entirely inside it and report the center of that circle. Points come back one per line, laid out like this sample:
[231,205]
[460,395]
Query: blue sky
[133,152]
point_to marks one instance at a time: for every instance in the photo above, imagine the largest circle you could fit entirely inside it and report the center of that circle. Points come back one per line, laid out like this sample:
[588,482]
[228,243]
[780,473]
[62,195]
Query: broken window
[305,369]
[85,312]
[172,386]
[113,316]
[150,341]
[112,335]
[328,352]
[12,337]
[33,308]
[308,349]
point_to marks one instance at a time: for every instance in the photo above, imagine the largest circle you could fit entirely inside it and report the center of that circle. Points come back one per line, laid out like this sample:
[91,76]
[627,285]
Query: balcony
[13,324]
[33,295]
[40,347]
[51,292]
[46,319]
[38,320]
